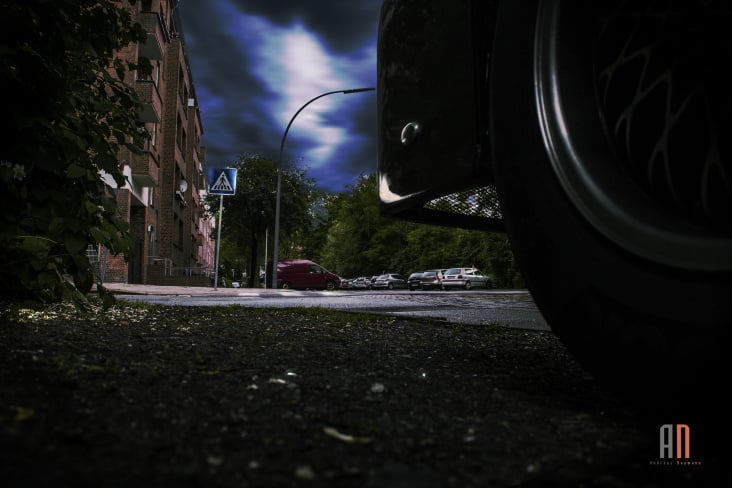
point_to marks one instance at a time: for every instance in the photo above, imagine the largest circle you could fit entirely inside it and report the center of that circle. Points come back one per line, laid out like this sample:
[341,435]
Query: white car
[466,278]
[361,283]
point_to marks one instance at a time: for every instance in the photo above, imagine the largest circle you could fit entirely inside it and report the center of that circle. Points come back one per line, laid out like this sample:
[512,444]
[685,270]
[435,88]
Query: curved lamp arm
[275,254]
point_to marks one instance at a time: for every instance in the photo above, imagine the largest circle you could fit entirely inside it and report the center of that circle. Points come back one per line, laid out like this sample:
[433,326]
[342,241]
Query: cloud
[342,25]
[254,66]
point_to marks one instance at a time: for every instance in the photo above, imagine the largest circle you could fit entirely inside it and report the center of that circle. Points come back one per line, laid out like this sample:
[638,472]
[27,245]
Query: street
[511,308]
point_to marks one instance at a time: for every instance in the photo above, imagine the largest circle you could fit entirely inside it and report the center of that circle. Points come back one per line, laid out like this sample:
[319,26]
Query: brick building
[163,196]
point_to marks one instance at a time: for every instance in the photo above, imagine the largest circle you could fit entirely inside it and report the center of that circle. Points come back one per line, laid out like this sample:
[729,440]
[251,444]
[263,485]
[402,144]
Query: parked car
[431,279]
[465,278]
[303,274]
[389,281]
[413,282]
[372,280]
[361,283]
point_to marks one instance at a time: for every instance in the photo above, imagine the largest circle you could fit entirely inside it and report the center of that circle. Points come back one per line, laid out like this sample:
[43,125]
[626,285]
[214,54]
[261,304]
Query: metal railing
[191,271]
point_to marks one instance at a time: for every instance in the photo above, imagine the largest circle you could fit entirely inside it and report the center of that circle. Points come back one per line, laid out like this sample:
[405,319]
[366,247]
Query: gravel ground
[240,397]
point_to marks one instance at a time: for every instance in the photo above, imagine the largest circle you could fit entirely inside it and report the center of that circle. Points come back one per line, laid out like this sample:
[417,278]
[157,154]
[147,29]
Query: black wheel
[468,286]
[615,183]
[286,285]
[330,285]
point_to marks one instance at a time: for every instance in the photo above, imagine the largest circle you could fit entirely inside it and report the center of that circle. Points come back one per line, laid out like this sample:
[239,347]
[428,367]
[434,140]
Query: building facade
[171,235]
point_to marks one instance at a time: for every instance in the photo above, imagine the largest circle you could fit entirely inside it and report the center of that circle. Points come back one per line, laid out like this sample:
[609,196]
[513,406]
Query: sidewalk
[134,289]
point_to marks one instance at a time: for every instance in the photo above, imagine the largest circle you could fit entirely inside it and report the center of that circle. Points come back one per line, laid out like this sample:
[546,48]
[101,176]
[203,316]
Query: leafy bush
[73,114]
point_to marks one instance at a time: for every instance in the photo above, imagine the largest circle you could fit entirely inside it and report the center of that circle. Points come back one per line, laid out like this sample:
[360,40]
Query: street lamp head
[357,90]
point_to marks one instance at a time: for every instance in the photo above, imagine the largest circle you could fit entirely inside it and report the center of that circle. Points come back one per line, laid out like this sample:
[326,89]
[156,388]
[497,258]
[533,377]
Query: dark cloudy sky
[255,63]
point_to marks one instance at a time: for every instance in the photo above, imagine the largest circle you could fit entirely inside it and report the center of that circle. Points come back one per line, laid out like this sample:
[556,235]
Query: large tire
[636,285]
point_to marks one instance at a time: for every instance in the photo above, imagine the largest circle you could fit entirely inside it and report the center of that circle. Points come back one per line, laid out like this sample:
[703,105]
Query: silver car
[389,281]
[432,279]
[466,278]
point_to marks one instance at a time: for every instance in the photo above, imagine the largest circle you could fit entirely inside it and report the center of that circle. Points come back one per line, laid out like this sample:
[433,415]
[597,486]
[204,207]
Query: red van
[303,274]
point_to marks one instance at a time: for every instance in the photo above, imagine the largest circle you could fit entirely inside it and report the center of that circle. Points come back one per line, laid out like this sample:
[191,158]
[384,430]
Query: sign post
[218,243]
[222,181]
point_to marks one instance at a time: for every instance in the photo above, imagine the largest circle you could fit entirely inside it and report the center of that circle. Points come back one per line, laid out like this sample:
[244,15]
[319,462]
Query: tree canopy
[73,112]
[361,242]
[249,215]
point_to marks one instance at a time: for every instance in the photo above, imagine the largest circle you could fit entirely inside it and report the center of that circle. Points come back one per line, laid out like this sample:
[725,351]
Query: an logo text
[675,441]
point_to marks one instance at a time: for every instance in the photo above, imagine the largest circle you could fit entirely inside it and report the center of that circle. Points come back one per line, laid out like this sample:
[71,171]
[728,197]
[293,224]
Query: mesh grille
[475,208]
[477,202]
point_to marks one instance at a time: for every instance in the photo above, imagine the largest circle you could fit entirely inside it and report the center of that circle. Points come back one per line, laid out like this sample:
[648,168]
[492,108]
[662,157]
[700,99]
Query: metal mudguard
[432,105]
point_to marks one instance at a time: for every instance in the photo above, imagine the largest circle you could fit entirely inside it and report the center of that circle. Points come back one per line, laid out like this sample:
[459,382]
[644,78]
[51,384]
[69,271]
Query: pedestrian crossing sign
[222,181]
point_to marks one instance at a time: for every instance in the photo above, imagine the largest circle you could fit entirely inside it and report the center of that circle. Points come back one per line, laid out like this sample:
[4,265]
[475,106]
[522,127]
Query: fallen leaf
[304,473]
[330,431]
[22,414]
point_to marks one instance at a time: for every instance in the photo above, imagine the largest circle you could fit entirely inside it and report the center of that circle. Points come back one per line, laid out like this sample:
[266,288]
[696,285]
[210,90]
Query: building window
[180,234]
[164,20]
[141,136]
[181,136]
[154,135]
[181,86]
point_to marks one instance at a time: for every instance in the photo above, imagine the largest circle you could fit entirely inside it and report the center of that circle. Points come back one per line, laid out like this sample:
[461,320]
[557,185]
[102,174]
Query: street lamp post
[275,254]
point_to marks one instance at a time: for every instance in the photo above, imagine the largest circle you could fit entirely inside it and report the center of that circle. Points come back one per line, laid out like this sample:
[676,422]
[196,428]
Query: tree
[361,242]
[74,114]
[501,263]
[310,239]
[430,247]
[250,213]
[358,239]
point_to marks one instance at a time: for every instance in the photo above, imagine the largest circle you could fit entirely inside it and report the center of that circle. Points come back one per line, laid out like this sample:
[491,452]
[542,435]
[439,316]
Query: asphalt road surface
[511,308]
